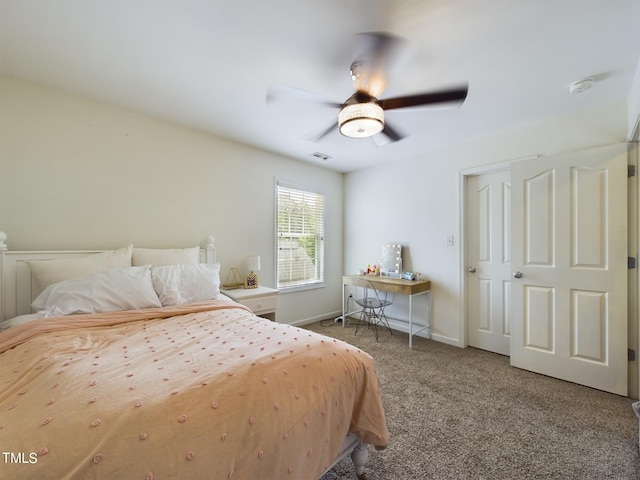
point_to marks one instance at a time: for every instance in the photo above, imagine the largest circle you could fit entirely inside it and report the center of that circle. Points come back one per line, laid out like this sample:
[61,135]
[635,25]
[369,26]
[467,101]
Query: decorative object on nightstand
[261,300]
[253,265]
[234,280]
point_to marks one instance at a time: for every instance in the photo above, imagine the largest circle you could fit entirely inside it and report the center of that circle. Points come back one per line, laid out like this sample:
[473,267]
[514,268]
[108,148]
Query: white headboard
[18,290]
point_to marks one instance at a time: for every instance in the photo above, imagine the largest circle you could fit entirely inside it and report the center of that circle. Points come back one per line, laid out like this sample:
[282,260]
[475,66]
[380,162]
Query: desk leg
[344,320]
[428,314]
[410,322]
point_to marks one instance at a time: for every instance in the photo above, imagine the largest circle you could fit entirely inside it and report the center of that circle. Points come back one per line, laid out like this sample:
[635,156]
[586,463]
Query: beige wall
[76,174]
[633,110]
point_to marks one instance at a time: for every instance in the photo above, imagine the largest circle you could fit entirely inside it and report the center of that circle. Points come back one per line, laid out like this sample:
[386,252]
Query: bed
[186,385]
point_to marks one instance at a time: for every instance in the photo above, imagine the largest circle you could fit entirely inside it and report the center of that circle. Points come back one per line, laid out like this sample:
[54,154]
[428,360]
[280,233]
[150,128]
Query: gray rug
[466,414]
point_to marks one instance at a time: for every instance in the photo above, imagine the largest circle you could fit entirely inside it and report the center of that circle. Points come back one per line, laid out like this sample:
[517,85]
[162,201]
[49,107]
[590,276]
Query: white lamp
[252,264]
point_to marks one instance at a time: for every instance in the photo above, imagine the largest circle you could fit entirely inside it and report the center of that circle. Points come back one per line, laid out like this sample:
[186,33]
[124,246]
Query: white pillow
[181,284]
[19,320]
[157,257]
[127,288]
[48,272]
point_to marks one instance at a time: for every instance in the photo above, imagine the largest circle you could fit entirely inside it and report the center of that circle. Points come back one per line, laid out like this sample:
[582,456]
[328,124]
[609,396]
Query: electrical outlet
[450,241]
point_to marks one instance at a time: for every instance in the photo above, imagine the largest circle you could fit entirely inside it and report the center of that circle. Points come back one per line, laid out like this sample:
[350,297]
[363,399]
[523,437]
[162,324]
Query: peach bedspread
[203,391]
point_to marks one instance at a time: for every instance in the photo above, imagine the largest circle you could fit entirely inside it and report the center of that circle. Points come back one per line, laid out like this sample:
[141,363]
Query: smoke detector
[581,85]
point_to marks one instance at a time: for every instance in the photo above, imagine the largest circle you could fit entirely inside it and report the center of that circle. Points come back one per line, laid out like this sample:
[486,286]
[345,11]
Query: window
[300,237]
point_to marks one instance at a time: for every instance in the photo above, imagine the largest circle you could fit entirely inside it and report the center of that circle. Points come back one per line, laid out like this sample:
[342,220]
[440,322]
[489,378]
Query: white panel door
[569,247]
[488,261]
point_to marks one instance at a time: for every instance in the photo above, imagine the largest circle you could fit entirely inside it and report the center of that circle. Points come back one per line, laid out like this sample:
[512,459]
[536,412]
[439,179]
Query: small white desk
[412,288]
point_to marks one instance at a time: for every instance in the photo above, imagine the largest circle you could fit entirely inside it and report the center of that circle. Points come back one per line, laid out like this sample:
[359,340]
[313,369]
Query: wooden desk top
[390,284]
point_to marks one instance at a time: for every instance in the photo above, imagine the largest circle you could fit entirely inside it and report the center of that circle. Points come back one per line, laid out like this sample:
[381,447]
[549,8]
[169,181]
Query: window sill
[298,288]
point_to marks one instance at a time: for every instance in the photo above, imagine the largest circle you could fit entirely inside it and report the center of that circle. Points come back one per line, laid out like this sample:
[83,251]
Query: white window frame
[318,261]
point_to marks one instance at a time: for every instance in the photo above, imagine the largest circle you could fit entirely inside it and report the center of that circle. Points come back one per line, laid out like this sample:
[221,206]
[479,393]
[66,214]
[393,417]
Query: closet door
[569,247]
[488,261]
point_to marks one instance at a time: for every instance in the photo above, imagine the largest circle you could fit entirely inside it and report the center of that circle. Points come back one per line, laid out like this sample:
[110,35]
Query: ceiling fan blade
[443,99]
[391,133]
[387,135]
[284,93]
[316,136]
[377,55]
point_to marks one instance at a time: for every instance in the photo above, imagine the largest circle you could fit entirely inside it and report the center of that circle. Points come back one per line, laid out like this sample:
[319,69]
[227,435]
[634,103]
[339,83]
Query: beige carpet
[466,414]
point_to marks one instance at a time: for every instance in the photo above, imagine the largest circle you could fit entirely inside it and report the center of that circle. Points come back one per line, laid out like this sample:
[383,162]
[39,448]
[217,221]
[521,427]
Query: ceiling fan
[362,114]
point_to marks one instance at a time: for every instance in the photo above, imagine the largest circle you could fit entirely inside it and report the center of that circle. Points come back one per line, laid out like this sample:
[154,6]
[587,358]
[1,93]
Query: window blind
[300,237]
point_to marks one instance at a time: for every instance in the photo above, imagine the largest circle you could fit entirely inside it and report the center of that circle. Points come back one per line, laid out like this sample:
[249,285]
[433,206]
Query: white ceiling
[207,64]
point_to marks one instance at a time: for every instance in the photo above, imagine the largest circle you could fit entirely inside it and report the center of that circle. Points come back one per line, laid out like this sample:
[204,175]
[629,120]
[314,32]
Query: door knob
[471,269]
[517,274]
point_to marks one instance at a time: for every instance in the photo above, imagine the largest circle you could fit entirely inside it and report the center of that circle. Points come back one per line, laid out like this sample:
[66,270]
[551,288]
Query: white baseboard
[306,321]
[436,337]
[399,325]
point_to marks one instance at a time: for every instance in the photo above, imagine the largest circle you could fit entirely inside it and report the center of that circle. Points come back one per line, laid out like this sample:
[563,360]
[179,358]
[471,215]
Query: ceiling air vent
[321,156]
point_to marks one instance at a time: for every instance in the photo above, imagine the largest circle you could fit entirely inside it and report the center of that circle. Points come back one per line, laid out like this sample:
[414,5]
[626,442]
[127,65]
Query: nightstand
[261,300]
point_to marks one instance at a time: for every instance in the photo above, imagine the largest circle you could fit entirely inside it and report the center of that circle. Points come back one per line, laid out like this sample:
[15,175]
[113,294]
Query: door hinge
[631,263]
[631,354]
[631,171]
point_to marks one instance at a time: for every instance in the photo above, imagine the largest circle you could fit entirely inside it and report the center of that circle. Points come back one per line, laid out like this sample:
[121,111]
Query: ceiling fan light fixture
[360,120]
